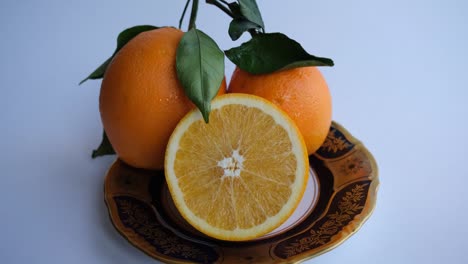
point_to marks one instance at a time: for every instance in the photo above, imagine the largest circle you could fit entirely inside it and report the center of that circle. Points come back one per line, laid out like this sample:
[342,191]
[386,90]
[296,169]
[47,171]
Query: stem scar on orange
[301,92]
[141,99]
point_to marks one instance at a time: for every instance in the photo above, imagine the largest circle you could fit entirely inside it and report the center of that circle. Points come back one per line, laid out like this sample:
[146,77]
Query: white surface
[400,85]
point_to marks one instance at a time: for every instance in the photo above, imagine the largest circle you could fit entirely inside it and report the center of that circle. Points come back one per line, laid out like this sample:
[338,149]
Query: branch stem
[183,14]
[221,6]
[193,15]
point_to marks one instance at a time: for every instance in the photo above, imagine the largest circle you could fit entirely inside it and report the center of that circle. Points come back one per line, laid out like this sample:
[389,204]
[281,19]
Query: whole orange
[301,92]
[141,99]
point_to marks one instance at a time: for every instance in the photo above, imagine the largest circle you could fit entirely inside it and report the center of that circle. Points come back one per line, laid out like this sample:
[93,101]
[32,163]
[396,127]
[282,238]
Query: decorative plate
[142,211]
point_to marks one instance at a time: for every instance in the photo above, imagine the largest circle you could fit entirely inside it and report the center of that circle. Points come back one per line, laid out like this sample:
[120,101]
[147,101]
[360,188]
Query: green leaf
[249,9]
[238,26]
[99,72]
[123,38]
[247,17]
[105,148]
[235,9]
[266,53]
[200,68]
[128,34]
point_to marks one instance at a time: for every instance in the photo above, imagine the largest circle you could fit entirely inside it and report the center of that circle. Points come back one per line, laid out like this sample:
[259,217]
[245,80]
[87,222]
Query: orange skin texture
[301,92]
[141,99]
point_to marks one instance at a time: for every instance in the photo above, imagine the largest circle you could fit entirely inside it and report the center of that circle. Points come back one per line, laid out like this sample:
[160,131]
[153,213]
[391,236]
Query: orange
[301,92]
[141,99]
[241,175]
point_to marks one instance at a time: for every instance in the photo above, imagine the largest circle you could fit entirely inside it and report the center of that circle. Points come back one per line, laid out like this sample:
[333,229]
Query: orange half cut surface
[241,175]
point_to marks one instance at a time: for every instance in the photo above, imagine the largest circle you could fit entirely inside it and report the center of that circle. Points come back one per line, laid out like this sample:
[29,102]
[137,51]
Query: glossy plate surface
[142,211]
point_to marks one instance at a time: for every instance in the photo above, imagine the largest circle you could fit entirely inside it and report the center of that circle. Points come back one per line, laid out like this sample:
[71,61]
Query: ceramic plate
[346,183]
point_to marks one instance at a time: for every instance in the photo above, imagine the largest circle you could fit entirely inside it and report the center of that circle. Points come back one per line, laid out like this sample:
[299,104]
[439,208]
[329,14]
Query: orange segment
[243,174]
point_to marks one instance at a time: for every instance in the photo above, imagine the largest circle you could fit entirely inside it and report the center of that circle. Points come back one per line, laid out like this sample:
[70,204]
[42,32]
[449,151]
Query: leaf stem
[193,15]
[220,6]
[183,14]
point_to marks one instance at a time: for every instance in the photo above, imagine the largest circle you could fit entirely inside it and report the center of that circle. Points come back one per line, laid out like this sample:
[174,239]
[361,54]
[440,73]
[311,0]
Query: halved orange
[241,175]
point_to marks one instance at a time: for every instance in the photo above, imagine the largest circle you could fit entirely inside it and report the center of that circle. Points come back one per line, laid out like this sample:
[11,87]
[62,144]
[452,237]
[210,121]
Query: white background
[400,85]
